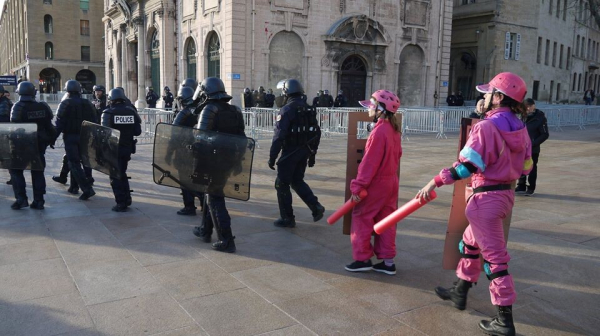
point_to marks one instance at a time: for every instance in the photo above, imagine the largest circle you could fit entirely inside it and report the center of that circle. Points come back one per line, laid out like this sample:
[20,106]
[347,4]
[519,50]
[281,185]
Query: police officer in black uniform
[217,115]
[72,111]
[297,141]
[125,119]
[151,97]
[187,118]
[340,100]
[27,110]
[99,100]
[248,98]
[168,98]
[188,82]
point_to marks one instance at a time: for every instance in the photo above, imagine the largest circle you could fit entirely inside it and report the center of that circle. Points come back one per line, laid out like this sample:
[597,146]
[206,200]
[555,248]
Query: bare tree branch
[595,10]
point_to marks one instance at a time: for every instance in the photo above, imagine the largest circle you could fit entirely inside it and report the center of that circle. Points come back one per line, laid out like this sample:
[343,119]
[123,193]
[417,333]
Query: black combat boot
[203,233]
[37,204]
[457,294]
[317,211]
[227,244]
[187,211]
[89,193]
[288,222]
[20,203]
[9,182]
[60,179]
[119,208]
[502,325]
[73,190]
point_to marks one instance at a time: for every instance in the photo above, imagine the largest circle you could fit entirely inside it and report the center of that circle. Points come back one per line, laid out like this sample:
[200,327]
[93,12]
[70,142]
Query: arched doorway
[111,75]
[87,79]
[410,76]
[286,58]
[50,78]
[353,79]
[190,58]
[155,61]
[214,56]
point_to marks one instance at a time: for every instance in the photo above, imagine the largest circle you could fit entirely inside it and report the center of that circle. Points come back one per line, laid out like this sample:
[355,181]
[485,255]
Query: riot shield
[99,148]
[214,163]
[19,147]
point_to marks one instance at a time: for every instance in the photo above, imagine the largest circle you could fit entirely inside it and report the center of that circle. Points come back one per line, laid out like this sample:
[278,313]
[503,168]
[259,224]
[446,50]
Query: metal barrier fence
[150,118]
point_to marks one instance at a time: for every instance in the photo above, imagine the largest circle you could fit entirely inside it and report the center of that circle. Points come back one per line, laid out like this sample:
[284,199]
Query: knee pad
[281,186]
[462,247]
[493,275]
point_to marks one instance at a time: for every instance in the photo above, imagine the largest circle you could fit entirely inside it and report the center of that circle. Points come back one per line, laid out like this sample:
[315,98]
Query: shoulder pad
[131,108]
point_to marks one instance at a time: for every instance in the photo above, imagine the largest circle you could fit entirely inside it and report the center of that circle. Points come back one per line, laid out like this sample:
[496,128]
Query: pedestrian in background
[537,127]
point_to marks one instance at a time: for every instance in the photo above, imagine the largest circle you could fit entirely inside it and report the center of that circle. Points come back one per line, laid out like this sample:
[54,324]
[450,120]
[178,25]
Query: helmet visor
[368,104]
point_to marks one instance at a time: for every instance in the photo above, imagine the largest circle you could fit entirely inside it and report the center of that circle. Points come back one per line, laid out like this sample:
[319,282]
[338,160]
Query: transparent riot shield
[19,147]
[99,146]
[214,163]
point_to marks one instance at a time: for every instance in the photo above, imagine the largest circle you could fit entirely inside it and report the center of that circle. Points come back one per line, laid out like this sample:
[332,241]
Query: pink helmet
[390,101]
[507,83]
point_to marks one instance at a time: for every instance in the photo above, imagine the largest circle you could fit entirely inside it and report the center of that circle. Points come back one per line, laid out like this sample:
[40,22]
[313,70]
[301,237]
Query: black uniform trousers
[120,186]
[290,172]
[78,176]
[37,180]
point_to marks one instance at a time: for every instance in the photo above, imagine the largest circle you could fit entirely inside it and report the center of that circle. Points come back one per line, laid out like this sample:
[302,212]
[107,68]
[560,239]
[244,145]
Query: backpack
[305,129]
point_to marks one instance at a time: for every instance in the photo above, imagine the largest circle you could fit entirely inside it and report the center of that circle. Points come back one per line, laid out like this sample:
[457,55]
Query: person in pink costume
[378,175]
[497,153]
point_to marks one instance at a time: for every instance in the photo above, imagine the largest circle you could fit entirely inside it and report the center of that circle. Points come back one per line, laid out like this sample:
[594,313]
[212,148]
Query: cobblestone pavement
[78,268]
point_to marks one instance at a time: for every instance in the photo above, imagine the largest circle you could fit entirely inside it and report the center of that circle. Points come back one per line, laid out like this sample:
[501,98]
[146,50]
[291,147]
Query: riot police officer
[124,118]
[340,100]
[188,82]
[187,118]
[168,98]
[151,98]
[260,99]
[72,111]
[27,110]
[217,115]
[99,100]
[248,99]
[297,137]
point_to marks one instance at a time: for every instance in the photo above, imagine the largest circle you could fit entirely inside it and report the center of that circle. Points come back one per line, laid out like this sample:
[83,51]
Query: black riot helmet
[211,88]
[99,88]
[185,96]
[72,86]
[189,82]
[26,89]
[117,94]
[290,87]
[261,89]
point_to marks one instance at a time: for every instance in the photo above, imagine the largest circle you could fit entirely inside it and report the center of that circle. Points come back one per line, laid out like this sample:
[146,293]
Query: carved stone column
[141,44]
[123,59]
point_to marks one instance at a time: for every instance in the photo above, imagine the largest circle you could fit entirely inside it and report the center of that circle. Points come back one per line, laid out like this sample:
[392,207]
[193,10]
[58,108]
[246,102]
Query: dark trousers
[37,180]
[532,177]
[120,186]
[290,173]
[189,198]
[64,170]
[78,176]
[215,208]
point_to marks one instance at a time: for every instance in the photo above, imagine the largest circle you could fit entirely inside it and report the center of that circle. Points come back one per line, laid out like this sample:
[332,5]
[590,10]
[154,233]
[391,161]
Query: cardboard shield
[457,223]
[99,146]
[19,147]
[214,163]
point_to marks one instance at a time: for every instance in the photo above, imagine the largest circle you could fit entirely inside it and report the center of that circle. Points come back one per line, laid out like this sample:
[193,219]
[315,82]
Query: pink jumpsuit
[500,150]
[378,174]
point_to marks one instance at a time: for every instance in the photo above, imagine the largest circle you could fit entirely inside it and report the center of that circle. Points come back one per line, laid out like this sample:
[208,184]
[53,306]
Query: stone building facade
[49,42]
[355,45]
[552,44]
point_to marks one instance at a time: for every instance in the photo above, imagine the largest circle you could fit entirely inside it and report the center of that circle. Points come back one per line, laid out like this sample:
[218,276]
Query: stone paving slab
[78,268]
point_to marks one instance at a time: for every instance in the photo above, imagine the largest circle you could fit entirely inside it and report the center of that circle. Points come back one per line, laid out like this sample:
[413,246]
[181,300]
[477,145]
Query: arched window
[47,24]
[155,60]
[214,56]
[49,48]
[410,76]
[190,57]
[286,58]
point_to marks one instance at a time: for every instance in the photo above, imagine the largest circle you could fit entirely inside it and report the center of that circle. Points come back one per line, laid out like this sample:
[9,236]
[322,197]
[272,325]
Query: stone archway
[51,80]
[286,58]
[190,58]
[410,76]
[87,79]
[353,79]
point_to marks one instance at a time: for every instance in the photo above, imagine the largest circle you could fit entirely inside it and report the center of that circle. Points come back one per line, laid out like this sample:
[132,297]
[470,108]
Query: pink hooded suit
[498,152]
[378,175]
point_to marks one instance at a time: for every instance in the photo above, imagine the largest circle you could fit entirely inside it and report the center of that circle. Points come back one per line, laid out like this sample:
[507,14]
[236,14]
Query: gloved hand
[311,161]
[272,163]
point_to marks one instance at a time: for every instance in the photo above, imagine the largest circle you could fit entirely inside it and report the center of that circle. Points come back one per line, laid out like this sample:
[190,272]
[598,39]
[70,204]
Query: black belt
[492,188]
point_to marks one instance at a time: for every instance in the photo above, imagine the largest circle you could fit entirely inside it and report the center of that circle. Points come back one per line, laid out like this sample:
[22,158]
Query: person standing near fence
[269,98]
[378,175]
[588,96]
[497,153]
[168,98]
[537,127]
[340,100]
[297,136]
[151,97]
[451,99]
